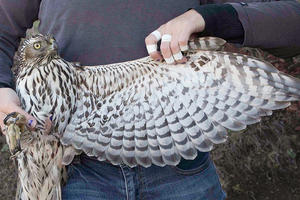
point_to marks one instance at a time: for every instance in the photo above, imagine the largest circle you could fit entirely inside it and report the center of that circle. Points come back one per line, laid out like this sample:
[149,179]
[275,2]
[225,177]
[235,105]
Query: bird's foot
[16,124]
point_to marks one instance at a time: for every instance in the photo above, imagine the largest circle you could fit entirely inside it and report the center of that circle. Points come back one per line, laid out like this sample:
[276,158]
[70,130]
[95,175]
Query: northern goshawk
[139,112]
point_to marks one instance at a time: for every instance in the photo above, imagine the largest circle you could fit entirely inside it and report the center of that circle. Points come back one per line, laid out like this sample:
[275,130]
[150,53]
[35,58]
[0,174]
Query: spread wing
[153,113]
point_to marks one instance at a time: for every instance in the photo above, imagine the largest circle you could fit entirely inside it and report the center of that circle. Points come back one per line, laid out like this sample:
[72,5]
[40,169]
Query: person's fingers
[176,52]
[180,28]
[156,34]
[2,126]
[10,103]
[165,49]
[151,44]
[183,45]
[183,39]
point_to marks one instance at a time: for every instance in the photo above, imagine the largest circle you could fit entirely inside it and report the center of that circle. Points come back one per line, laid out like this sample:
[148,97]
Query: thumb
[31,121]
[2,116]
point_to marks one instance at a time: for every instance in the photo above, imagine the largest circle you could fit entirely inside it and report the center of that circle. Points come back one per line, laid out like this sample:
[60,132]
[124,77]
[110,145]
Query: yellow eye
[37,45]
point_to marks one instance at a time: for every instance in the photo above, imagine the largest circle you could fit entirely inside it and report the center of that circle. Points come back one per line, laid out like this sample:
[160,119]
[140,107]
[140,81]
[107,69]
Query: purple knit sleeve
[270,24]
[221,20]
[15,17]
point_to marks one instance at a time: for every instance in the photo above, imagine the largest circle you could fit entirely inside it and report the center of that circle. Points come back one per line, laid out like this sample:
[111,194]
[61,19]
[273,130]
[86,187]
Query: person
[100,32]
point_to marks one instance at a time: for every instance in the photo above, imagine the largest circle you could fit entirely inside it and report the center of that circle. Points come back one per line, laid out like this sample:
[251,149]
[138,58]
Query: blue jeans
[90,179]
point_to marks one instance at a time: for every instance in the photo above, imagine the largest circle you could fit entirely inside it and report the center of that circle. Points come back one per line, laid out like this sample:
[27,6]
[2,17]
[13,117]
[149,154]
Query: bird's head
[38,50]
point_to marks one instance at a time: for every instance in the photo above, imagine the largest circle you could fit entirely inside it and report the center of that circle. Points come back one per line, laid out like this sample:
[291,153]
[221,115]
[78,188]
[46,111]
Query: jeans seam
[125,180]
[141,180]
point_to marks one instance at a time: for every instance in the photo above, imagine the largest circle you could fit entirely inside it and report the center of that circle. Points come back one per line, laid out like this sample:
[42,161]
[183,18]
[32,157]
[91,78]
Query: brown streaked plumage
[141,112]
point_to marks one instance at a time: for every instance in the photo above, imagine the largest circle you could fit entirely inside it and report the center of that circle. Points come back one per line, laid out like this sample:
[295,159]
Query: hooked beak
[53,46]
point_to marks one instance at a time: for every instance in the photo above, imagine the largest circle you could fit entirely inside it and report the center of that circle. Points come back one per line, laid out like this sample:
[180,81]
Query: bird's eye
[37,45]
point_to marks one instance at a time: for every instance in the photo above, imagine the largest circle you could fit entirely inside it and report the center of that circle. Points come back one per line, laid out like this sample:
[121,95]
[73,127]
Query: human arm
[252,24]
[214,20]
[270,24]
[15,18]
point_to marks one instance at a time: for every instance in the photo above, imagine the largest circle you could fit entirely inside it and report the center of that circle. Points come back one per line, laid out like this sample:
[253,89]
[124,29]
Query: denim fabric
[90,179]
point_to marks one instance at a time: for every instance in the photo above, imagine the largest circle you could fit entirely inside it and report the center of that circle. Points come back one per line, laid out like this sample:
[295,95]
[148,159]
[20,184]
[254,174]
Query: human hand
[9,102]
[174,37]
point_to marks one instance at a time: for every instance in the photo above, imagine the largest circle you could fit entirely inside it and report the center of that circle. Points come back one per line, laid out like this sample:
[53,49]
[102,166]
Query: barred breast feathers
[49,90]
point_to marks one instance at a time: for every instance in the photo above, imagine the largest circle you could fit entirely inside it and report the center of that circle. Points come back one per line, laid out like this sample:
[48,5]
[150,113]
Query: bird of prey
[140,112]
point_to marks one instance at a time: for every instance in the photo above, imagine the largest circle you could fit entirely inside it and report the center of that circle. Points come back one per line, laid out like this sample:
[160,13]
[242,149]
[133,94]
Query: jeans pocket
[200,169]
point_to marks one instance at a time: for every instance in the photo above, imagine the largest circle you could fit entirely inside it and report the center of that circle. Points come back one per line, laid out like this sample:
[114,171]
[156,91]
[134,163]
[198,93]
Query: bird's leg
[15,126]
